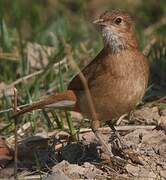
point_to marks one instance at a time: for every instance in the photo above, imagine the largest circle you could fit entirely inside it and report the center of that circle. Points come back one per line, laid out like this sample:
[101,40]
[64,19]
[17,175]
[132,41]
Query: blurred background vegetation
[34,36]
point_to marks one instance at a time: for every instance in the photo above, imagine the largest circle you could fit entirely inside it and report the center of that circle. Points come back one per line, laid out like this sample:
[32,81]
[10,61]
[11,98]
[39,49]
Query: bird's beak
[99,22]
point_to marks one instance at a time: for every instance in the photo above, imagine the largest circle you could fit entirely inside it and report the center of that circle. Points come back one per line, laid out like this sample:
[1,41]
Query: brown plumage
[117,78]
[116,82]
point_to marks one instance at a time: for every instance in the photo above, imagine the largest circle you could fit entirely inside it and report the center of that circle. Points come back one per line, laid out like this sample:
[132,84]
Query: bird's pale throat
[113,41]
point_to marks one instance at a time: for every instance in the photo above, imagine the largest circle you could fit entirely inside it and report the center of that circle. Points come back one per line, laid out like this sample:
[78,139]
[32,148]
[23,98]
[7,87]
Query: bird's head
[117,30]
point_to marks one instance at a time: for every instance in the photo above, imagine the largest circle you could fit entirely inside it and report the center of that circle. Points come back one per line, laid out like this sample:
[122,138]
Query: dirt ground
[144,158]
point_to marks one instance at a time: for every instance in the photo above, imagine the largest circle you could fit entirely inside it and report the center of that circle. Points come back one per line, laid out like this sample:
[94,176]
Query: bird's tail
[63,100]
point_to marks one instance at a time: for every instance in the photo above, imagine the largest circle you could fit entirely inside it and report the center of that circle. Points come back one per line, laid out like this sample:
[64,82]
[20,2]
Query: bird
[116,78]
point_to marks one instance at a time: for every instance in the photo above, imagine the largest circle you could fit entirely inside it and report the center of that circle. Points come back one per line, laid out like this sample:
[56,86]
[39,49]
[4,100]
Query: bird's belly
[114,100]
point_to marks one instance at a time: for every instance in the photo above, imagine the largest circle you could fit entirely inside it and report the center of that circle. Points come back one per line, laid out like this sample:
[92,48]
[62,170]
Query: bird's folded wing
[91,71]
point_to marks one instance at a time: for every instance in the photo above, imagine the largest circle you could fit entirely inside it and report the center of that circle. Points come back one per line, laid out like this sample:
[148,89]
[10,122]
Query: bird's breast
[118,90]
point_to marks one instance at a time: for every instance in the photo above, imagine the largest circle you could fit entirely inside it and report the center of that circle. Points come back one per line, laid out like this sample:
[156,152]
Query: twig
[9,56]
[120,119]
[30,76]
[11,109]
[148,31]
[95,123]
[15,134]
[160,99]
[84,82]
[148,47]
[119,128]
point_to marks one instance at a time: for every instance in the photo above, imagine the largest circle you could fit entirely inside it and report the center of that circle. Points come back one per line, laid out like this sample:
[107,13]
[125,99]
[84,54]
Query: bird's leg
[116,161]
[126,151]
[95,128]
[120,144]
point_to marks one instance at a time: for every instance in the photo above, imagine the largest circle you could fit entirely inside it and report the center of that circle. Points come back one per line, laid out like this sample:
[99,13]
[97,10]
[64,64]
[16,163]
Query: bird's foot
[118,142]
[107,154]
[115,162]
[119,153]
[120,147]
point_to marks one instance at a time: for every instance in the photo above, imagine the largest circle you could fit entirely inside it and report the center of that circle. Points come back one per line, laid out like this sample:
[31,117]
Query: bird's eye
[118,20]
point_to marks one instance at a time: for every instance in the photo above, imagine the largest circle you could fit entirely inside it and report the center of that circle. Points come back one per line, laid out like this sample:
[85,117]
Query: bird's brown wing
[92,70]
